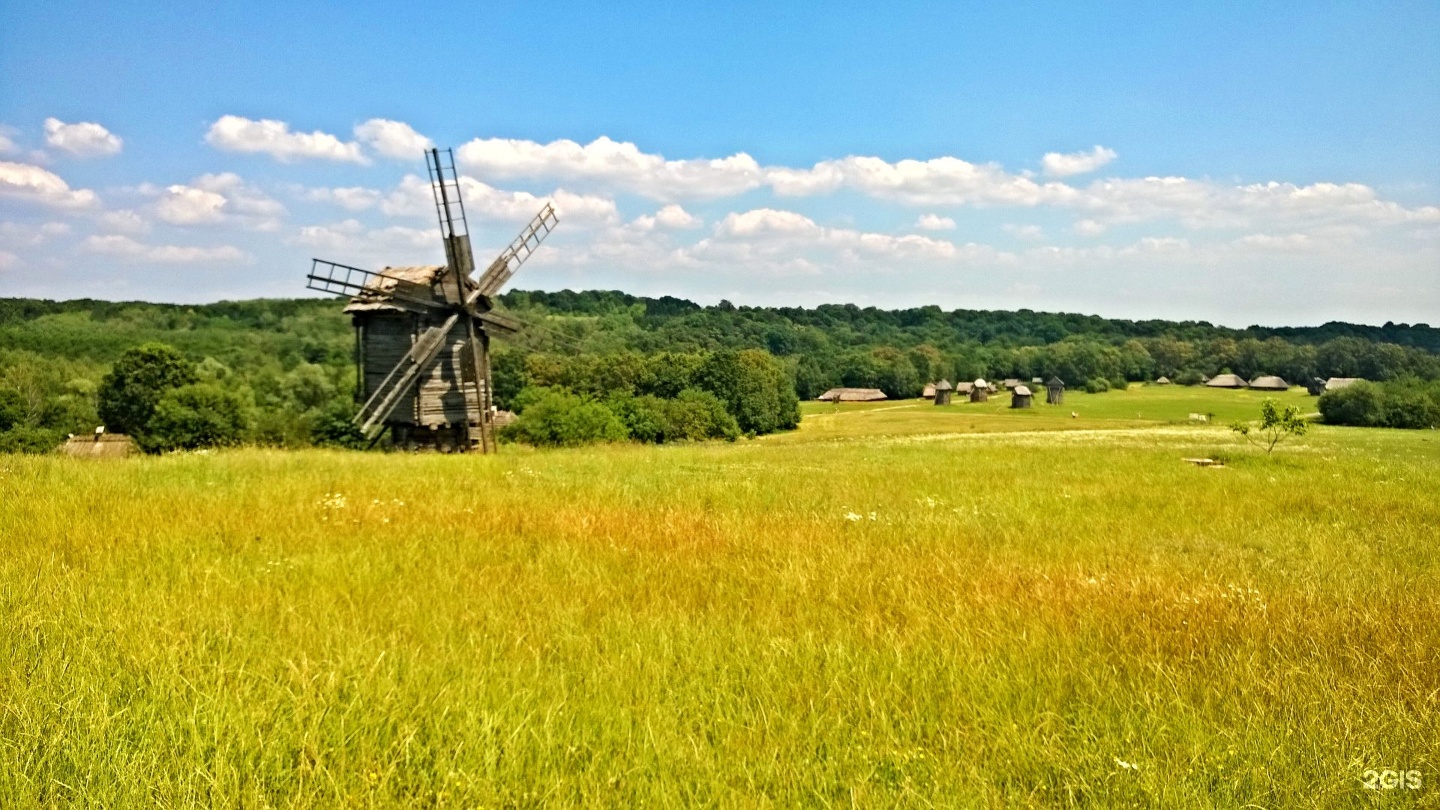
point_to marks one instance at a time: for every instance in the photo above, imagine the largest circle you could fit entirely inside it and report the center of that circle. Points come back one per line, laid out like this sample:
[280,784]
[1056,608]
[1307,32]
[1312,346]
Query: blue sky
[1246,163]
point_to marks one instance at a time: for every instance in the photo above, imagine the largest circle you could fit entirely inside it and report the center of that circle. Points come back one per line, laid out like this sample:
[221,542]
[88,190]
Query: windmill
[422,334]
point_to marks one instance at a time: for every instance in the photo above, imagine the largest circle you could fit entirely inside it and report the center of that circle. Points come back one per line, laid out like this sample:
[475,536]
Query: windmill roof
[380,290]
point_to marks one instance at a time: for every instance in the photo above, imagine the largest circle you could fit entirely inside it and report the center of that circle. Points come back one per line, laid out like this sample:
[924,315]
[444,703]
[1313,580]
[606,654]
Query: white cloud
[34,184]
[124,220]
[8,260]
[393,139]
[85,139]
[214,198]
[232,133]
[352,198]
[7,143]
[1088,227]
[1056,164]
[620,165]
[13,234]
[412,198]
[127,248]
[935,222]
[671,217]
[1032,233]
[941,181]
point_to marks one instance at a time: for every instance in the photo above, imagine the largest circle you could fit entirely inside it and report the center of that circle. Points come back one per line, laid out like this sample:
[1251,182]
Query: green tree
[560,418]
[131,390]
[195,416]
[1276,425]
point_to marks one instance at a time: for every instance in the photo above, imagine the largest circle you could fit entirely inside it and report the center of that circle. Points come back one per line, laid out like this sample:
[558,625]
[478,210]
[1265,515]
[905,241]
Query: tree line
[288,364]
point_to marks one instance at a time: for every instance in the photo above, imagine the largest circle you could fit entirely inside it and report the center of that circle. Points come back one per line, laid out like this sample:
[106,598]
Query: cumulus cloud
[33,184]
[127,248]
[1088,227]
[412,198]
[86,139]
[1057,164]
[215,198]
[620,165]
[13,234]
[393,139]
[232,133]
[935,222]
[124,220]
[7,142]
[1033,233]
[352,198]
[671,217]
[770,235]
[8,260]
[940,181]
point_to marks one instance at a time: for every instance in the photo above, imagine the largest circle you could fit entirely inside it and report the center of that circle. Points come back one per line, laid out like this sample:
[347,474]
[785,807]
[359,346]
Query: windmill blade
[403,376]
[342,279]
[497,324]
[512,257]
[450,210]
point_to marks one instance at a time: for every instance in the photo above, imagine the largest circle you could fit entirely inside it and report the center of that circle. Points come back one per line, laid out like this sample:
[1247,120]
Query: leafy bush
[131,391]
[1401,404]
[1097,385]
[195,416]
[698,415]
[1188,377]
[334,427]
[754,387]
[1361,404]
[559,418]
[25,439]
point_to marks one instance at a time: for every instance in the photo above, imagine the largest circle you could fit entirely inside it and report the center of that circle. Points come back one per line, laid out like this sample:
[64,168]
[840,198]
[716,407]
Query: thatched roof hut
[1055,391]
[1340,382]
[1227,381]
[852,395]
[99,445]
[980,391]
[1269,382]
[1010,383]
[943,389]
[928,392]
[964,388]
[1020,396]
[1162,380]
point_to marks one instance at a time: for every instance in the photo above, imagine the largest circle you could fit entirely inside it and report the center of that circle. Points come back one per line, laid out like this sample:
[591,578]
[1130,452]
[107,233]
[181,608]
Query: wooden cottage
[1010,383]
[943,390]
[1162,381]
[1055,391]
[1335,383]
[928,392]
[1020,396]
[852,395]
[99,445]
[980,391]
[441,410]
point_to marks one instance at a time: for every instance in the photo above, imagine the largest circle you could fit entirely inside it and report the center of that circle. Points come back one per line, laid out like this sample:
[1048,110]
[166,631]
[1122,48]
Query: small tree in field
[1276,425]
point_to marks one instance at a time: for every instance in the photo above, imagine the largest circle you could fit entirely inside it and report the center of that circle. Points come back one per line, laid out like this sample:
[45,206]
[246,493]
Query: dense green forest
[290,361]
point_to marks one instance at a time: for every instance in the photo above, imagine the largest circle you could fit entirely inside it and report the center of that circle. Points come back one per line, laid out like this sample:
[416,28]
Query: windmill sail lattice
[423,333]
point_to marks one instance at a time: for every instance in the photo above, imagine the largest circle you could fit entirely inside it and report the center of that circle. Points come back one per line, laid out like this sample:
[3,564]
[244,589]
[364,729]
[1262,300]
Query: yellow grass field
[896,605]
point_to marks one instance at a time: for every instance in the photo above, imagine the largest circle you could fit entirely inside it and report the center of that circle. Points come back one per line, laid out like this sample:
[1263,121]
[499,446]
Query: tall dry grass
[830,620]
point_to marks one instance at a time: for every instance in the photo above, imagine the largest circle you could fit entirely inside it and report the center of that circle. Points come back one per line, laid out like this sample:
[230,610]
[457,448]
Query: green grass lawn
[896,605]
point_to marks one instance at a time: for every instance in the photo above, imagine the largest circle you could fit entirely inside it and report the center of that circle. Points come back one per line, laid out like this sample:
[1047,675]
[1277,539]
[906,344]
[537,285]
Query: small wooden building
[852,395]
[1055,391]
[1269,383]
[1010,383]
[1020,396]
[928,392]
[1340,382]
[943,390]
[980,391]
[99,445]
[1315,386]
[1162,380]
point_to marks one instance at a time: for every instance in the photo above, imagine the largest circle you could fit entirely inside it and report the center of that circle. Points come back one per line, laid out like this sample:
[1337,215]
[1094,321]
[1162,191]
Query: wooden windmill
[422,334]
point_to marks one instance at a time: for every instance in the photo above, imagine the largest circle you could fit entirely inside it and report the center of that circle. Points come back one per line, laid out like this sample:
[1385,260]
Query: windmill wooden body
[422,333]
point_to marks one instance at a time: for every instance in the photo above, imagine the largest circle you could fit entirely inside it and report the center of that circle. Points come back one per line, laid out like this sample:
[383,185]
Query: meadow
[896,605]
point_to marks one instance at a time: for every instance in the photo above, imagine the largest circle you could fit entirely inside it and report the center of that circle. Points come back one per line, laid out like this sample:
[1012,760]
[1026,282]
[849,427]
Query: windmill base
[439,438]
